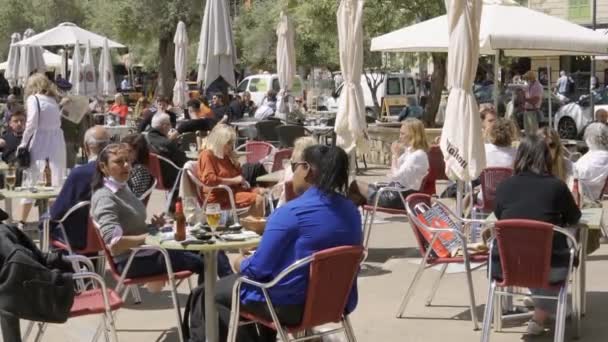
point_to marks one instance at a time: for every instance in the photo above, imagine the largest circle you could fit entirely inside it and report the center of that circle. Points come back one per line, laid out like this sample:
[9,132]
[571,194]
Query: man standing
[562,84]
[162,140]
[534,99]
[11,139]
[125,84]
[77,188]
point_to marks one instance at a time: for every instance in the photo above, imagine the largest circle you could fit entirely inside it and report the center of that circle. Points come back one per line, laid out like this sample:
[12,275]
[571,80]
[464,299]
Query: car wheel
[567,128]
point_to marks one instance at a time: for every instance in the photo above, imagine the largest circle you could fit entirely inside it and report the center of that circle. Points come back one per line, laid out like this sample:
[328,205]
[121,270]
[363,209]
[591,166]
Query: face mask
[116,181]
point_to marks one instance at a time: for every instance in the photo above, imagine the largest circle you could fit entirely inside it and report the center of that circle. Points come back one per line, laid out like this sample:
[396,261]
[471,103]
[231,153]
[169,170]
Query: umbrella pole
[550,92]
[459,198]
[496,74]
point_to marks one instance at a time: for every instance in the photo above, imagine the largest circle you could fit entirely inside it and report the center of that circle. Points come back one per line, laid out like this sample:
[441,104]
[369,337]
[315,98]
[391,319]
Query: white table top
[273,177]
[243,123]
[42,193]
[154,240]
[591,217]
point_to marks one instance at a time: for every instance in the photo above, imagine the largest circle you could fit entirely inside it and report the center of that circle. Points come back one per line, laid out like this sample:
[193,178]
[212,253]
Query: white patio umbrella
[351,128]
[461,139]
[106,85]
[30,59]
[286,53]
[51,61]
[12,68]
[216,51]
[181,61]
[77,74]
[67,34]
[88,69]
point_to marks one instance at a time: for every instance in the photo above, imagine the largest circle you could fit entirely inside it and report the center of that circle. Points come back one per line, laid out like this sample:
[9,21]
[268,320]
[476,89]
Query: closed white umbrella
[461,139]
[286,54]
[216,51]
[12,68]
[351,128]
[77,74]
[88,69]
[30,59]
[106,85]
[64,63]
[181,61]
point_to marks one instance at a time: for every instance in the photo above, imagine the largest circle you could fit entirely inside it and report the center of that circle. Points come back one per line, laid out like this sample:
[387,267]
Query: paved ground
[383,280]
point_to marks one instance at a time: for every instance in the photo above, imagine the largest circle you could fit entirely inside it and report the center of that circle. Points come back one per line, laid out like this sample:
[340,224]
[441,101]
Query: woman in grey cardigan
[121,217]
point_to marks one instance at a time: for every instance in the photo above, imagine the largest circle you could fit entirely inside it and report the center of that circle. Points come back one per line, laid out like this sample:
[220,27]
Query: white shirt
[411,168]
[591,170]
[499,156]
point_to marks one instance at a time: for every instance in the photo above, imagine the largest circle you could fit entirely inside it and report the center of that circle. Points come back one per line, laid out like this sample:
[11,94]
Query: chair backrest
[490,178]
[411,201]
[436,163]
[267,130]
[279,157]
[331,277]
[524,247]
[91,245]
[427,186]
[106,250]
[257,150]
[289,191]
[155,170]
[288,134]
[145,197]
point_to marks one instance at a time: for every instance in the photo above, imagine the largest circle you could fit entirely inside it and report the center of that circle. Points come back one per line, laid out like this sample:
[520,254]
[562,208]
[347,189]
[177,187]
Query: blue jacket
[305,225]
[77,188]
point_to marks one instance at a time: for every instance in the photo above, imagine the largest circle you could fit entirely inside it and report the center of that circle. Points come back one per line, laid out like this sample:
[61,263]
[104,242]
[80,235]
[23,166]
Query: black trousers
[10,328]
[288,314]
[196,125]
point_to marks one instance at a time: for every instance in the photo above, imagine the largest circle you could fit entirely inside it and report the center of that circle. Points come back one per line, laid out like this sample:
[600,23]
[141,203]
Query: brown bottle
[180,221]
[47,173]
[576,192]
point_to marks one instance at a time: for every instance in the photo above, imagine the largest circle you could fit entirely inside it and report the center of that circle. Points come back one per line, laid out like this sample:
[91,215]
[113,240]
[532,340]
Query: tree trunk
[437,82]
[166,65]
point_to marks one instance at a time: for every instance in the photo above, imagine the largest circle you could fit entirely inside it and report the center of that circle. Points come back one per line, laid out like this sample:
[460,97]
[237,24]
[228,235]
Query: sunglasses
[294,165]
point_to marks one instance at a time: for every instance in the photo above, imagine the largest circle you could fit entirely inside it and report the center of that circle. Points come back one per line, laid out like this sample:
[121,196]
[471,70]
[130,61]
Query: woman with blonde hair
[218,164]
[296,156]
[409,166]
[43,137]
[120,108]
[561,167]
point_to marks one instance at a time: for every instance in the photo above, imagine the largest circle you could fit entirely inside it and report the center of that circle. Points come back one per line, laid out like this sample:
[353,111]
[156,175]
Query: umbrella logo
[89,76]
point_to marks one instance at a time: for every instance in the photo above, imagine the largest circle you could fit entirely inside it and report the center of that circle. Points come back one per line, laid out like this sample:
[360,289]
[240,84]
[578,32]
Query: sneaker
[534,328]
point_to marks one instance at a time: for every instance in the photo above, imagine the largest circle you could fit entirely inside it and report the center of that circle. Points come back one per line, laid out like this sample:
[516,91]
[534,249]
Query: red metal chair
[429,259]
[525,249]
[368,219]
[145,197]
[98,300]
[490,178]
[279,157]
[155,170]
[124,283]
[256,150]
[436,169]
[331,277]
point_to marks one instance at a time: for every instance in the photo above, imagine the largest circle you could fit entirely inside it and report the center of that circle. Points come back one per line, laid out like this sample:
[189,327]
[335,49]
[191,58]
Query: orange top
[211,169]
[205,112]
[121,110]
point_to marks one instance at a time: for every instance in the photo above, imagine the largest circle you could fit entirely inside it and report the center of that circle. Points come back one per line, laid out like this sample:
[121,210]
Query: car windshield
[258,84]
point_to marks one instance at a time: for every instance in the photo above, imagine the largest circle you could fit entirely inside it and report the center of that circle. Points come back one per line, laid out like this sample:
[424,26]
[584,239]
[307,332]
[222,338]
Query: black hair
[329,166]
[138,143]
[533,155]
[194,103]
[102,158]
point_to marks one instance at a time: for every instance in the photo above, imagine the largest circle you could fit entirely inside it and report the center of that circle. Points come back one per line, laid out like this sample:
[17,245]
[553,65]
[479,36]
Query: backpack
[193,324]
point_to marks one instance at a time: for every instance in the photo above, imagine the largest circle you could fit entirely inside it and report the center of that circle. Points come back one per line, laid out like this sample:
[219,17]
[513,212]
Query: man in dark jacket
[163,141]
[11,139]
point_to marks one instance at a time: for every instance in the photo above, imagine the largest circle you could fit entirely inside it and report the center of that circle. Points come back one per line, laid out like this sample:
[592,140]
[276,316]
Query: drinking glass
[190,210]
[11,178]
[213,213]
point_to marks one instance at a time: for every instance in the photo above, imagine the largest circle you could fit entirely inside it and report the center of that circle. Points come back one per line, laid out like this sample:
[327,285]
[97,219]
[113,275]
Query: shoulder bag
[23,156]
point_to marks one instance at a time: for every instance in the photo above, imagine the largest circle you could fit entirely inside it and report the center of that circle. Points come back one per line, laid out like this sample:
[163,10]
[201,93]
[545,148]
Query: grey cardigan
[120,210]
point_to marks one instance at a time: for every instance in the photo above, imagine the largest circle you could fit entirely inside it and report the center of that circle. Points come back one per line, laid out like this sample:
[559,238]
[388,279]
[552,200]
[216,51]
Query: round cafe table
[42,194]
[209,251]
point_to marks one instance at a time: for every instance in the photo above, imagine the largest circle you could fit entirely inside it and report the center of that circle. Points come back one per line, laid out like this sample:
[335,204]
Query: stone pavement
[382,283]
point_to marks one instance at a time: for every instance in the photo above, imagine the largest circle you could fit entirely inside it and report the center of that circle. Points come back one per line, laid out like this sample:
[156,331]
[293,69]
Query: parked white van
[393,85]
[258,85]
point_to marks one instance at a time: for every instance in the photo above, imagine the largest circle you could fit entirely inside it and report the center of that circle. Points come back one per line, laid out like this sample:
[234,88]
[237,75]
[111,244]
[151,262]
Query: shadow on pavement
[156,301]
[381,255]
[372,271]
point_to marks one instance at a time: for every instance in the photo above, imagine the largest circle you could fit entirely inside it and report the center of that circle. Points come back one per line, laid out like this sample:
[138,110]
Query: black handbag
[22,155]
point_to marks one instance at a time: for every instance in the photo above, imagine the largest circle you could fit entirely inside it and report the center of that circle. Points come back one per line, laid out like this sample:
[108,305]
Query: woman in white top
[43,136]
[499,152]
[409,166]
[592,168]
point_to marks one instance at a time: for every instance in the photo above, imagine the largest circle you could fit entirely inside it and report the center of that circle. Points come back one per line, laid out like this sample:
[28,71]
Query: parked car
[572,118]
[258,85]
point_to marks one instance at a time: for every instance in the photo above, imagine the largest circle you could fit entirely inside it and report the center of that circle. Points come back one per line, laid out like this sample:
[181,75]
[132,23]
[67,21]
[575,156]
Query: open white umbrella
[88,69]
[286,53]
[77,74]
[461,139]
[67,34]
[181,61]
[216,51]
[106,85]
[351,128]
[12,68]
[30,59]
[51,61]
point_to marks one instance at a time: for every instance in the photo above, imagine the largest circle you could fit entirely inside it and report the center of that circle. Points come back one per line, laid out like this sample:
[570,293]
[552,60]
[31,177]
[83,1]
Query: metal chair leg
[467,265]
[136,294]
[28,330]
[410,290]
[367,234]
[429,299]
[177,309]
[348,329]
[560,319]
[487,317]
[497,312]
[41,329]
[190,284]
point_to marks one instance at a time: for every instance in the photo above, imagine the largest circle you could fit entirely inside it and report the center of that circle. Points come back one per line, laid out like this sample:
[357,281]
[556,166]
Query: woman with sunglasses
[320,218]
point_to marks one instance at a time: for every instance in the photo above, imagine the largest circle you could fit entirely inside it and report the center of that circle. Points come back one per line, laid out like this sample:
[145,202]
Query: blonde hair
[558,169]
[38,83]
[500,133]
[220,135]
[417,134]
[300,145]
[119,99]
